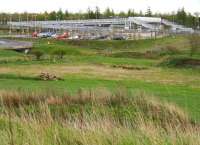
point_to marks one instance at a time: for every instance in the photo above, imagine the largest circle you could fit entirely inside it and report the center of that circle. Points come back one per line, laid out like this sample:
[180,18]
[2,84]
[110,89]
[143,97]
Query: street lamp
[56,22]
[27,23]
[20,24]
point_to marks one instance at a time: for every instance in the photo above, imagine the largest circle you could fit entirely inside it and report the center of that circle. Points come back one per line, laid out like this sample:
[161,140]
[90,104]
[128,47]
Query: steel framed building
[112,26]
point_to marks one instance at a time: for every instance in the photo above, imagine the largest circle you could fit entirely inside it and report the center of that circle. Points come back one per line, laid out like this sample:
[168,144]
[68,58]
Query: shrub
[169,49]
[60,53]
[129,54]
[194,41]
[181,62]
[38,54]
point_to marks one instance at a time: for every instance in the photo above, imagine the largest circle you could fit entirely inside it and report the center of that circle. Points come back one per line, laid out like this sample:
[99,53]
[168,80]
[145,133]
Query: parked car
[43,35]
[50,34]
[118,38]
[54,35]
[74,37]
[103,37]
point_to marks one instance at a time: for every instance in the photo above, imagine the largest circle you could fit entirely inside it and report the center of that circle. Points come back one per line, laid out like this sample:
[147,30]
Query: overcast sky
[81,5]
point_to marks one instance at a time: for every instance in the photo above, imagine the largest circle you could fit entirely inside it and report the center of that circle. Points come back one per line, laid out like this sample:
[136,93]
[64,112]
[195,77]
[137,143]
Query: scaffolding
[132,26]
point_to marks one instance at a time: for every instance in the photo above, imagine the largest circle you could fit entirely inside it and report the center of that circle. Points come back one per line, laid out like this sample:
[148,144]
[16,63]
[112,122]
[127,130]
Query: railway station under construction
[127,28]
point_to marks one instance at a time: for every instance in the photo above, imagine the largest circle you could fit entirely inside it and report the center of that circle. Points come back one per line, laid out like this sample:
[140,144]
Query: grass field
[135,66]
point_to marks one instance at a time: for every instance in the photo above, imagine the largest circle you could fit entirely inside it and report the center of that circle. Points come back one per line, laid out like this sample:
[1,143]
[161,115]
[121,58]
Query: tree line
[180,17]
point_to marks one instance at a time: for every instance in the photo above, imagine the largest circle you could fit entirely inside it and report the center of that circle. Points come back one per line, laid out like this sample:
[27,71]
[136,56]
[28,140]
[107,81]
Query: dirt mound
[49,77]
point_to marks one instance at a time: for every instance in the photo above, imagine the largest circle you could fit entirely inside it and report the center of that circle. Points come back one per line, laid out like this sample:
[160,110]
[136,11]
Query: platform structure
[130,25]
[21,46]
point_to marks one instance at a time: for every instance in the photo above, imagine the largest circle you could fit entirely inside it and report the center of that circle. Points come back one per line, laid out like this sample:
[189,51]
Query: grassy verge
[93,117]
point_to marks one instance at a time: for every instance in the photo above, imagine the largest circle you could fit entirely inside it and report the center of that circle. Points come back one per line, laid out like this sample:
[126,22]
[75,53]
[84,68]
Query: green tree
[52,15]
[46,15]
[190,21]
[66,15]
[97,12]
[112,13]
[60,14]
[90,14]
[122,14]
[108,13]
[149,12]
[181,16]
[141,13]
[131,13]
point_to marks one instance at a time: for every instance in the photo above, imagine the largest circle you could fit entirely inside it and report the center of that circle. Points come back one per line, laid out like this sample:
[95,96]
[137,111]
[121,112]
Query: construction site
[130,28]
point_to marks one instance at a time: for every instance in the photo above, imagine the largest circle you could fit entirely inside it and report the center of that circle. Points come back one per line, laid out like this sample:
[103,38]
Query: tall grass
[95,117]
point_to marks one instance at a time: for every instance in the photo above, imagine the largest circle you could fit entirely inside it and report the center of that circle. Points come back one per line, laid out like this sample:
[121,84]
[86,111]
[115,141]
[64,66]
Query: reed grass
[93,117]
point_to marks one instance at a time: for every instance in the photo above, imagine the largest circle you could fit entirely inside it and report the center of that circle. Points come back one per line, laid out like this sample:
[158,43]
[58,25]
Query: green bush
[194,41]
[38,54]
[181,62]
[170,50]
[60,53]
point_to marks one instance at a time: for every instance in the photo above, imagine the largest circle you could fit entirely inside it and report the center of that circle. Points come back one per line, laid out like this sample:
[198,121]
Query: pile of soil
[49,77]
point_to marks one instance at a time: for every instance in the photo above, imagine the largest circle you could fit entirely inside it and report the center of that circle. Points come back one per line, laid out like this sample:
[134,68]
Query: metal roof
[151,23]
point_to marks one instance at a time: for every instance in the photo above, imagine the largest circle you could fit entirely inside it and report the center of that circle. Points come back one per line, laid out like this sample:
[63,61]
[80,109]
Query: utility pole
[173,19]
[10,32]
[20,25]
[1,20]
[155,32]
[56,22]
[27,24]
[45,21]
[35,22]
[19,19]
[198,20]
